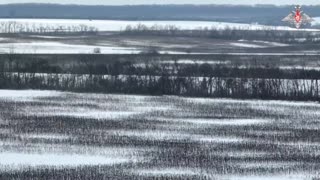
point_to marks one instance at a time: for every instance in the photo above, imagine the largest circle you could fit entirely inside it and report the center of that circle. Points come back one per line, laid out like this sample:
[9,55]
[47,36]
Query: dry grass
[149,137]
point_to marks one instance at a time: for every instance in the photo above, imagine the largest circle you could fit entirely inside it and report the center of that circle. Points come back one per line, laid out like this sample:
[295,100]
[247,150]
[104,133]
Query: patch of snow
[47,37]
[272,43]
[168,172]
[301,67]
[243,154]
[61,48]
[189,61]
[254,103]
[268,133]
[246,45]
[267,43]
[266,164]
[25,95]
[222,122]
[217,139]
[55,37]
[292,176]
[166,45]
[299,144]
[16,155]
[151,134]
[80,113]
[16,160]
[316,21]
[4,144]
[4,39]
[98,114]
[175,135]
[45,136]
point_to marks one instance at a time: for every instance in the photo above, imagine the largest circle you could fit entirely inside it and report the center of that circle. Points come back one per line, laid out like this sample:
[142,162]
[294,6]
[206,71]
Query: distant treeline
[198,80]
[18,27]
[263,14]
[228,33]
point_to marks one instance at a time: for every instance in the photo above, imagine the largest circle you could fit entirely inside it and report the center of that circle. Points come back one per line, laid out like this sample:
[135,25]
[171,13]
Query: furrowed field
[59,135]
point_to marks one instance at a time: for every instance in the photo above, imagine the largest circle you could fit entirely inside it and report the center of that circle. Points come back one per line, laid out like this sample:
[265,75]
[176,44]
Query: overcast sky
[122,2]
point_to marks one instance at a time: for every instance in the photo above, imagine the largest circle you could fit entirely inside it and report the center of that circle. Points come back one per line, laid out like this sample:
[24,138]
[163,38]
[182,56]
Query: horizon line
[155,4]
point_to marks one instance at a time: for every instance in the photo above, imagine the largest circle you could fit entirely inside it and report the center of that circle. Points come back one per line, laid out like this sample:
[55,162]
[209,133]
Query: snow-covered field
[61,48]
[316,21]
[168,137]
[117,25]
[56,47]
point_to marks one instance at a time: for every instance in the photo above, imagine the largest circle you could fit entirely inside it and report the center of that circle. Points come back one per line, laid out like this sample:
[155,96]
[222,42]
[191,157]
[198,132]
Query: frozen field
[61,48]
[117,44]
[48,47]
[46,134]
[68,45]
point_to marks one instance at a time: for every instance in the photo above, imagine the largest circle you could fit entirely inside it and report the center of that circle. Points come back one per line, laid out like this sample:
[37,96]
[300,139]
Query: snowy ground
[316,21]
[99,136]
[76,45]
[61,48]
[118,44]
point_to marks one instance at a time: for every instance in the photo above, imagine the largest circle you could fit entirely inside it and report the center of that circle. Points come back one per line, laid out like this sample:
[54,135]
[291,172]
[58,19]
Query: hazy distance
[135,2]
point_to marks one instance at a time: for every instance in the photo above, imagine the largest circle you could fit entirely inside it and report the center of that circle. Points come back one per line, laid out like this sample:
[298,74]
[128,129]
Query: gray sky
[122,2]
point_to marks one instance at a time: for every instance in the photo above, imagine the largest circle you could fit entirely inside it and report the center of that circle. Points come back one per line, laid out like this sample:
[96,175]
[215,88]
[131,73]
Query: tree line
[227,33]
[22,27]
[291,89]
[86,65]
[198,80]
